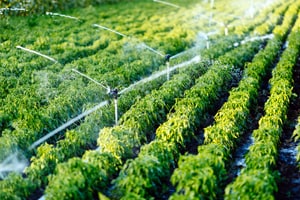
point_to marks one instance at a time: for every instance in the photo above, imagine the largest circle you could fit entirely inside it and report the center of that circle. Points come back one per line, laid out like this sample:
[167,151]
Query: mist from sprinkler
[15,162]
[113,93]
[100,84]
[252,39]
[121,34]
[166,57]
[70,122]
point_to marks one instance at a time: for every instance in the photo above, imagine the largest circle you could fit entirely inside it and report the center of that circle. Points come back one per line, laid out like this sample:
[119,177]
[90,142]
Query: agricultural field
[142,99]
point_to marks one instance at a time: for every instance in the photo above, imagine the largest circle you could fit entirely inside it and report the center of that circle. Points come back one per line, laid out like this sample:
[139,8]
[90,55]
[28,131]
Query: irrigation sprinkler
[61,15]
[37,53]
[167,3]
[113,93]
[167,60]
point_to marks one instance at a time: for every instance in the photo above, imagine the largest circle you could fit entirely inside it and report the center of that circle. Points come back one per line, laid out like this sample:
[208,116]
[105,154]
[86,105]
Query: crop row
[38,101]
[120,142]
[208,167]
[65,87]
[49,156]
[77,140]
[62,97]
[258,179]
[136,181]
[104,143]
[57,177]
[296,135]
[53,155]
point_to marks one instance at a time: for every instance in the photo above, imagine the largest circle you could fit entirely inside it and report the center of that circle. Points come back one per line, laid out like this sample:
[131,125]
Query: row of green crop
[120,142]
[137,181]
[258,179]
[28,85]
[208,167]
[130,116]
[57,97]
[144,176]
[75,141]
[66,45]
[63,152]
[296,135]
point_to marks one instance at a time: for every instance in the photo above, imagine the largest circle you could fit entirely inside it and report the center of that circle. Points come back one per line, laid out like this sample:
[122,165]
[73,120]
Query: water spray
[61,15]
[108,29]
[167,3]
[67,124]
[113,93]
[37,53]
[103,86]
[12,163]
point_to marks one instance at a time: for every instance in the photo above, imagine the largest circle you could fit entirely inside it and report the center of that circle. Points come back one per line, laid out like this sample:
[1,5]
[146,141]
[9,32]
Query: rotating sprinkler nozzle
[167,57]
[114,93]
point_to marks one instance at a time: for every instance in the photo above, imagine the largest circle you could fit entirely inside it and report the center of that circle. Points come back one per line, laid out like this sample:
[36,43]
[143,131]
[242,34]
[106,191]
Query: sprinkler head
[167,57]
[114,93]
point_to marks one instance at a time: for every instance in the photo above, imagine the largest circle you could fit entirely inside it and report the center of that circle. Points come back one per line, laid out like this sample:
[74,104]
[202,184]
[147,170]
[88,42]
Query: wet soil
[289,185]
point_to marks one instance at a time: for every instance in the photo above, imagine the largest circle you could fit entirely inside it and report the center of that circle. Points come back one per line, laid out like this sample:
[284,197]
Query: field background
[207,103]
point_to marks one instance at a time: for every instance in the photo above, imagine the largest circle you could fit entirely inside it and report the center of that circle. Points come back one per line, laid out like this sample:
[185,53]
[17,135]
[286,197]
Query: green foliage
[258,179]
[255,184]
[79,187]
[15,187]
